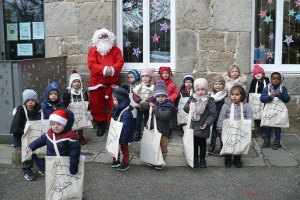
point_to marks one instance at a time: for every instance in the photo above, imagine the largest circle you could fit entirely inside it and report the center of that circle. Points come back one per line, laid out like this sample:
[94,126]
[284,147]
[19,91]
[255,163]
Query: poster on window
[38,30]
[25,49]
[25,32]
[12,32]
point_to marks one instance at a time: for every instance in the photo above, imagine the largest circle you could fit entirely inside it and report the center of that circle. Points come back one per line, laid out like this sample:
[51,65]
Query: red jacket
[172,90]
[97,63]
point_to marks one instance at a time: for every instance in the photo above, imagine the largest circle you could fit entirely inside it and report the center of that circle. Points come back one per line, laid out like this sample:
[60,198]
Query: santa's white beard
[104,46]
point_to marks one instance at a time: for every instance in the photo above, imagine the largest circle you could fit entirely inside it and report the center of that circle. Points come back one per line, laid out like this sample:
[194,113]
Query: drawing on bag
[31,139]
[272,113]
[256,106]
[267,118]
[59,185]
[230,142]
[111,136]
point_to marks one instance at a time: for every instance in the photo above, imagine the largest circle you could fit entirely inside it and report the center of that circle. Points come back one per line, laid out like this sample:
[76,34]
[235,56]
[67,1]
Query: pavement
[287,156]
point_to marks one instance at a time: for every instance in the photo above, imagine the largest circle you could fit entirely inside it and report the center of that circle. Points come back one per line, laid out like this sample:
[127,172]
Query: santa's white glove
[89,115]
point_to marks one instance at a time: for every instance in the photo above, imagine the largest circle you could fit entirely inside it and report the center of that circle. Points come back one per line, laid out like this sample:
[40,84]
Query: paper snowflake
[261,48]
[262,14]
[127,44]
[269,54]
[292,12]
[136,52]
[271,36]
[129,24]
[155,38]
[297,17]
[268,19]
[164,27]
[297,2]
[154,4]
[288,39]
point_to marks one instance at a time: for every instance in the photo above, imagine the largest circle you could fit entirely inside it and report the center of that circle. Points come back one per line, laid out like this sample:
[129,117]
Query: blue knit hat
[136,74]
[52,87]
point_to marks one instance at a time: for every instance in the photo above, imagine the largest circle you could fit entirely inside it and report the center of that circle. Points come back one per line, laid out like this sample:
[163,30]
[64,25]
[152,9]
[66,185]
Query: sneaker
[150,165]
[159,167]
[29,176]
[123,167]
[42,172]
[202,163]
[115,164]
[82,140]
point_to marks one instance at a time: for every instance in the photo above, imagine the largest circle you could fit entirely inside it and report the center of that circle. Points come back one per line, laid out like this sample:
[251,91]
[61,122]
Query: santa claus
[105,62]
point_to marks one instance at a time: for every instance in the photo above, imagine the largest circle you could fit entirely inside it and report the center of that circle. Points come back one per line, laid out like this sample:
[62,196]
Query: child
[143,94]
[237,95]
[30,100]
[186,90]
[203,117]
[218,93]
[261,81]
[164,112]
[133,78]
[234,77]
[276,89]
[51,102]
[121,101]
[61,122]
[75,89]
[165,74]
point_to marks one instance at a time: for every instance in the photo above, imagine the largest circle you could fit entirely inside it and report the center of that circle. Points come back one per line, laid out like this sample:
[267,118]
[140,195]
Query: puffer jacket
[225,113]
[127,133]
[67,142]
[284,96]
[208,117]
[241,80]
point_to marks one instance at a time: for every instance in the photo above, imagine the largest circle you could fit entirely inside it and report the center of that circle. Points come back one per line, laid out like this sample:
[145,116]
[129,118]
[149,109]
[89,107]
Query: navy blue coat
[284,96]
[127,133]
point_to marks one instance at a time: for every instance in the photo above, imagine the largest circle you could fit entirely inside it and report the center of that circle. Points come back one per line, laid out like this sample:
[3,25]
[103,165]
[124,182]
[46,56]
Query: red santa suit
[102,86]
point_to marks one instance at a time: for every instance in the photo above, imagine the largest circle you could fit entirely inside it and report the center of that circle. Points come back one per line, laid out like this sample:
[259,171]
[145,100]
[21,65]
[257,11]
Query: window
[276,35]
[146,33]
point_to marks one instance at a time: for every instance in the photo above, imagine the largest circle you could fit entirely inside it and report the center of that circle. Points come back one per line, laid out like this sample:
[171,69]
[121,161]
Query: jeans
[277,132]
[214,134]
[28,164]
[139,118]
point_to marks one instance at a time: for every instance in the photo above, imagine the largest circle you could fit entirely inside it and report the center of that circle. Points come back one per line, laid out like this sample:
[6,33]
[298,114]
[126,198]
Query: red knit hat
[59,116]
[258,69]
[165,69]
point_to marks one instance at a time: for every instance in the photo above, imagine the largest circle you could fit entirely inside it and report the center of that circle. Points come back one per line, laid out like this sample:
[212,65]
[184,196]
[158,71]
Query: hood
[52,87]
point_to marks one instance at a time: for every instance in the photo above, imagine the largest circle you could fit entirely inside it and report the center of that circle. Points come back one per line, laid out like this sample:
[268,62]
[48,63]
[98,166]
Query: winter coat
[225,113]
[208,117]
[49,108]
[284,96]
[219,105]
[260,86]
[67,142]
[172,90]
[77,98]
[138,99]
[241,80]
[127,133]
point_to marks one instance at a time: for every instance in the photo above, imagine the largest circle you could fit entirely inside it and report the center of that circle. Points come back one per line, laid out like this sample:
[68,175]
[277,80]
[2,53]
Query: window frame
[146,39]
[277,66]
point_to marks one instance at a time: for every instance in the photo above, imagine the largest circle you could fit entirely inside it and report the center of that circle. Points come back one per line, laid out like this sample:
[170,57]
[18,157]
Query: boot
[170,133]
[237,162]
[266,143]
[221,145]
[196,162]
[228,161]
[254,135]
[276,144]
[202,163]
[212,148]
[101,129]
[137,136]
[263,135]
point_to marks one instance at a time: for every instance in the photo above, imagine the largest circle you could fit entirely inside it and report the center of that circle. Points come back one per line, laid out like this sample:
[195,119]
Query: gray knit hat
[218,78]
[121,93]
[29,94]
[160,89]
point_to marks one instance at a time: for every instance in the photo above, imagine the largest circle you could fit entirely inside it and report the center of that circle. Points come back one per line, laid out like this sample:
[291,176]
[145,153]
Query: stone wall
[211,35]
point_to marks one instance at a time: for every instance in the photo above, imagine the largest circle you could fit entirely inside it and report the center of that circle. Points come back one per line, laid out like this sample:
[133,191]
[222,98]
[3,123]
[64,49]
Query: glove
[73,169]
[89,115]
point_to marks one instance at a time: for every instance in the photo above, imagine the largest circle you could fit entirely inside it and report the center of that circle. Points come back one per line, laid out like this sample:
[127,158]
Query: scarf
[167,102]
[76,92]
[33,112]
[272,89]
[200,106]
[219,95]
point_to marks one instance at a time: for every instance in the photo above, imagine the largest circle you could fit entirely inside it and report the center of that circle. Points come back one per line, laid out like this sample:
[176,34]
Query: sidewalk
[94,151]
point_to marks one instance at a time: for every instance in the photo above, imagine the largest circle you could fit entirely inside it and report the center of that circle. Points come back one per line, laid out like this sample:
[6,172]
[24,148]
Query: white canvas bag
[132,102]
[80,114]
[236,134]
[113,137]
[188,139]
[275,114]
[256,105]
[182,116]
[60,184]
[150,145]
[32,131]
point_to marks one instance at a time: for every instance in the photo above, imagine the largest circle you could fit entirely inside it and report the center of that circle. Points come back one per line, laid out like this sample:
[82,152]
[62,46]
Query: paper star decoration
[137,10]
[129,4]
[262,14]
[155,38]
[136,52]
[270,1]
[288,39]
[261,48]
[127,44]
[269,54]
[292,12]
[164,27]
[154,4]
[297,2]
[297,17]
[129,24]
[268,19]
[271,36]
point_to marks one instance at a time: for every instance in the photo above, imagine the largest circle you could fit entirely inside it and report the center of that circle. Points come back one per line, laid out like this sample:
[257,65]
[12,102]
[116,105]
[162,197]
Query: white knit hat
[73,77]
[59,116]
[200,83]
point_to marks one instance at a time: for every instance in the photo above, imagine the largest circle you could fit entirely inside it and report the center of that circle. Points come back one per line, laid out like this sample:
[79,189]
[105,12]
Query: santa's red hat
[59,116]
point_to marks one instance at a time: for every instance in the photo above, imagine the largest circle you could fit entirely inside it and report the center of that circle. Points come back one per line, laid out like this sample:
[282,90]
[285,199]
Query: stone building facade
[211,35]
